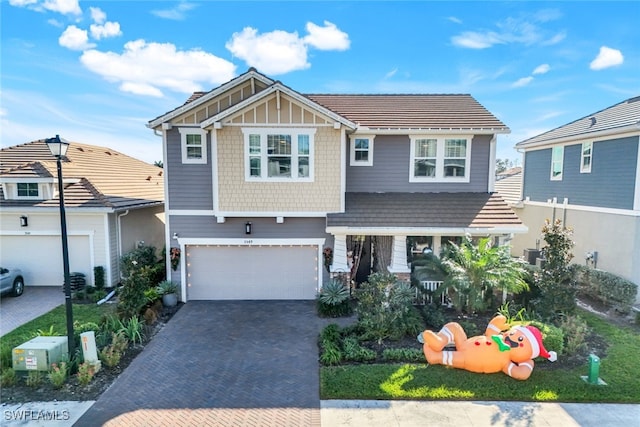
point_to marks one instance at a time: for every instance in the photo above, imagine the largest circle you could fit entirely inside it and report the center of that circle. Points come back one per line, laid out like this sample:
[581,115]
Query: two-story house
[261,180]
[114,203]
[587,173]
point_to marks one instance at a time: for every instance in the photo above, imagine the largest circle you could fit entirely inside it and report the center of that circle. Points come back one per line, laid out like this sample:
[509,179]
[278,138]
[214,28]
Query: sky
[97,72]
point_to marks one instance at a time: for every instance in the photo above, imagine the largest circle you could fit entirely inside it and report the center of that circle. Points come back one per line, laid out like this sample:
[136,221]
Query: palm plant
[475,271]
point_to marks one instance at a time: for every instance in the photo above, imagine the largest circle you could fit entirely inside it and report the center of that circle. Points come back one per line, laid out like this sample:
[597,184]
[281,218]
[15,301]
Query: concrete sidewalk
[362,413]
[365,413]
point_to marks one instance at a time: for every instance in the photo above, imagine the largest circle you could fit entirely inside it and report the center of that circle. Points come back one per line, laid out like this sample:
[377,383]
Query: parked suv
[11,281]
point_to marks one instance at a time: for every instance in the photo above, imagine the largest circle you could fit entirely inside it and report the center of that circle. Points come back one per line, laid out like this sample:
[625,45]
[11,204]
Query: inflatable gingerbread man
[500,349]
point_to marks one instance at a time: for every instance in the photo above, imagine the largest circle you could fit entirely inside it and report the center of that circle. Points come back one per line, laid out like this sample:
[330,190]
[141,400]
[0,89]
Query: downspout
[119,235]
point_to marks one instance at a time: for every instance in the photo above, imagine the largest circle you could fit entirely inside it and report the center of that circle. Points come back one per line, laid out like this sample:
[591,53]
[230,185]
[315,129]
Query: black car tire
[18,287]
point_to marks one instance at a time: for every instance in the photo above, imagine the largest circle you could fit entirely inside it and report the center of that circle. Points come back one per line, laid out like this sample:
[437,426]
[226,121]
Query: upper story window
[585,158]
[194,145]
[440,159]
[557,158]
[278,154]
[27,190]
[361,150]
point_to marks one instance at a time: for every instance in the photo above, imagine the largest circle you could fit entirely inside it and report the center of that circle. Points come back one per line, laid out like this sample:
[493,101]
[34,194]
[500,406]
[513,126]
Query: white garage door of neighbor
[252,272]
[40,258]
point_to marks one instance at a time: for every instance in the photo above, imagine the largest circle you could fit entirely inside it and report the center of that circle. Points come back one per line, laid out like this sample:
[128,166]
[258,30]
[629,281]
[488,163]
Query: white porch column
[339,264]
[436,245]
[399,256]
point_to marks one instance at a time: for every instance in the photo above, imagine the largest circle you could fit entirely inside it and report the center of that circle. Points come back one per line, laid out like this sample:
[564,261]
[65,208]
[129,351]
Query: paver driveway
[222,363]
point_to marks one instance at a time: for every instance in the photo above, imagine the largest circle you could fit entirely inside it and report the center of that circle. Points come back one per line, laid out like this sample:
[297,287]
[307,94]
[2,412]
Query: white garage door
[40,258]
[252,272]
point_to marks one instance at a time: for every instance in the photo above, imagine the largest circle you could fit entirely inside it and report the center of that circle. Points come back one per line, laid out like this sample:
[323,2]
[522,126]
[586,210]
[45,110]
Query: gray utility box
[531,255]
[39,353]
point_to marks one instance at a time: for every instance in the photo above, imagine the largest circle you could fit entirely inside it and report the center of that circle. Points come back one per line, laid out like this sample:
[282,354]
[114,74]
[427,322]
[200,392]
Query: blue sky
[97,71]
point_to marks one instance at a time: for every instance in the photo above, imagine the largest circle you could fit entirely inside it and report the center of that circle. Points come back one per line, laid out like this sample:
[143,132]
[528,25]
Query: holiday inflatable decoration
[500,349]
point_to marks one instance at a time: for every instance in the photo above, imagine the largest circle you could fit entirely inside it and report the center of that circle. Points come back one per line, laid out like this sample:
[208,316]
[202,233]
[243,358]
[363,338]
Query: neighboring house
[262,181]
[113,203]
[510,187]
[587,173]
[508,172]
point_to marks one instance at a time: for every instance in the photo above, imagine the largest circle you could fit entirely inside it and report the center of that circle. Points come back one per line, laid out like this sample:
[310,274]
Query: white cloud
[178,13]
[65,7]
[542,69]
[606,58]
[75,39]
[391,73]
[474,40]
[454,20]
[523,81]
[109,29]
[277,52]
[98,15]
[148,68]
[511,30]
[328,37]
[280,52]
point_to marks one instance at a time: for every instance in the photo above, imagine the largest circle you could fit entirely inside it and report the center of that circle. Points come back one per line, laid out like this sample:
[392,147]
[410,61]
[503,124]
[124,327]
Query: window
[440,159]
[194,145]
[361,150]
[28,190]
[279,154]
[585,161]
[557,157]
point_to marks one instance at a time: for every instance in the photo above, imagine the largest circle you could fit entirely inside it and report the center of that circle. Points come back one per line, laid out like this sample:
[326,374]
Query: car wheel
[18,287]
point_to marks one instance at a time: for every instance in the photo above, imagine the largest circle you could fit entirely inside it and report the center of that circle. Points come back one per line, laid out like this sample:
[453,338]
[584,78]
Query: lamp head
[58,146]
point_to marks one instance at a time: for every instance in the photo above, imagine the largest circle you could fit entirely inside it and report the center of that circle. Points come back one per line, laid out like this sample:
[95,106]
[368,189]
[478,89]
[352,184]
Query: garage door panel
[252,272]
[40,257]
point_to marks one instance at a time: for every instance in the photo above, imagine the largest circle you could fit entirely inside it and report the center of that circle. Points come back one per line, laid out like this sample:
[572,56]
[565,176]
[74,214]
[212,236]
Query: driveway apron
[222,363]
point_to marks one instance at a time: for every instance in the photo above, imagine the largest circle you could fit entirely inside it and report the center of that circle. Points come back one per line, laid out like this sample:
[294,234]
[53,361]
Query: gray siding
[262,228]
[611,183]
[390,170]
[189,185]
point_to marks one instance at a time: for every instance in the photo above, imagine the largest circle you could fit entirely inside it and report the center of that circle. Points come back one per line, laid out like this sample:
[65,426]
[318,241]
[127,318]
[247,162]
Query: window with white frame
[27,190]
[585,158]
[283,154]
[557,158]
[440,159]
[194,145]
[361,150]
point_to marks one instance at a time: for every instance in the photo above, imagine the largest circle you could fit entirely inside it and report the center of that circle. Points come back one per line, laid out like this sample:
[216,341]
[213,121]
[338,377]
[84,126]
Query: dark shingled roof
[429,210]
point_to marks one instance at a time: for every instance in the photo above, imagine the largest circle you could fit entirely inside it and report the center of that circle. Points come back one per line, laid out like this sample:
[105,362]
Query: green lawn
[82,313]
[620,369]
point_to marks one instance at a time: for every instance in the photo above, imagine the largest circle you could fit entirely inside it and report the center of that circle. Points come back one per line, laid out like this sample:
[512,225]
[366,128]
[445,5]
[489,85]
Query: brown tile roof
[510,188]
[429,112]
[94,176]
[425,210]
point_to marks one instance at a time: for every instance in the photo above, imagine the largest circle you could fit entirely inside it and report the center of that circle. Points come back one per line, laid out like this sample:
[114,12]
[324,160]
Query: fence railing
[426,294]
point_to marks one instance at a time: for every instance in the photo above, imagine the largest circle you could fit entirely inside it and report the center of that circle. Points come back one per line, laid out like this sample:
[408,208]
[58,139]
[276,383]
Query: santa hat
[537,348]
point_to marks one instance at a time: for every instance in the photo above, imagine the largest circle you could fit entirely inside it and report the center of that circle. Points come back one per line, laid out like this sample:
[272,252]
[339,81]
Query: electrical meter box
[39,353]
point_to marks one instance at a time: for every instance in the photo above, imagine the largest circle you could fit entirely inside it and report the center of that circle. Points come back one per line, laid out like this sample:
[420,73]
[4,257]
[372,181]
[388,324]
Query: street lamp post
[58,148]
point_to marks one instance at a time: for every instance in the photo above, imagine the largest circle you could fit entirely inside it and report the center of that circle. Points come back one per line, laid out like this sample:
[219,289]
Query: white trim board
[593,209]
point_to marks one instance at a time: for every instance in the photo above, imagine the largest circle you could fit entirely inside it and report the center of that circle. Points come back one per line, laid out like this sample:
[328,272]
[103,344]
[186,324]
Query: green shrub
[331,354]
[98,277]
[112,353]
[98,295]
[385,307]
[8,377]
[133,329]
[85,374]
[354,352]
[403,355]
[470,328]
[51,332]
[330,333]
[34,379]
[333,300]
[58,374]
[575,331]
[6,357]
[612,290]
[433,316]
[552,337]
[132,298]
